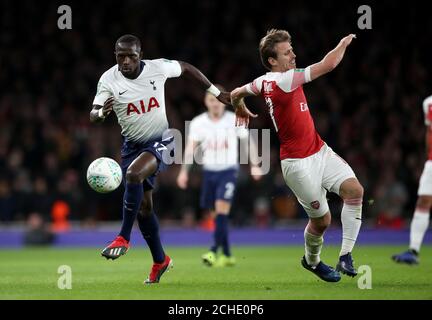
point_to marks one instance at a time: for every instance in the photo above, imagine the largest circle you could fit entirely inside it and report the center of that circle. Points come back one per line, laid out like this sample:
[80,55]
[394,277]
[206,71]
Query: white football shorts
[425,185]
[310,178]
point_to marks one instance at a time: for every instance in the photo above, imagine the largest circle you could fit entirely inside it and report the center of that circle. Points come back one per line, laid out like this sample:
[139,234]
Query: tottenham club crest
[315,204]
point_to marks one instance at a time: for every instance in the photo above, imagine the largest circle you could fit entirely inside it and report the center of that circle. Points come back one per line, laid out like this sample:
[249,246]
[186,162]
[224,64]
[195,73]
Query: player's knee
[133,177]
[424,202]
[353,191]
[323,225]
[357,191]
[222,206]
[318,226]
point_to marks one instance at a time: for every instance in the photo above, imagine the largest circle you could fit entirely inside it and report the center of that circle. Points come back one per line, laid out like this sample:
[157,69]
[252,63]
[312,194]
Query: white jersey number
[229,190]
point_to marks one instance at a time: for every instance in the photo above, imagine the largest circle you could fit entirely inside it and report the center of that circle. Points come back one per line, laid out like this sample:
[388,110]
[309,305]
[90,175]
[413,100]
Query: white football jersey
[427,109]
[218,140]
[139,103]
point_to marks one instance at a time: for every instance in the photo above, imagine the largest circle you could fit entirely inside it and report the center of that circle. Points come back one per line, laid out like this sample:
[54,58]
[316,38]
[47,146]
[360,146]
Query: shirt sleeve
[254,88]
[294,78]
[103,92]
[170,68]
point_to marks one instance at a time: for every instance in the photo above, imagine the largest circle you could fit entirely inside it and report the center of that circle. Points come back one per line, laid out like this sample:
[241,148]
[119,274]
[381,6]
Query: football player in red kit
[310,167]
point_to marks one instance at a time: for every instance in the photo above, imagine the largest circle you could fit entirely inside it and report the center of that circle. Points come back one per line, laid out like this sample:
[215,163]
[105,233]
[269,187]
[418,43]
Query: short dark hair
[268,43]
[130,39]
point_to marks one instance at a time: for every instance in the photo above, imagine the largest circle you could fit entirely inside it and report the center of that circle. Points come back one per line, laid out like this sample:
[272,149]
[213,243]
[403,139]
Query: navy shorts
[217,185]
[132,150]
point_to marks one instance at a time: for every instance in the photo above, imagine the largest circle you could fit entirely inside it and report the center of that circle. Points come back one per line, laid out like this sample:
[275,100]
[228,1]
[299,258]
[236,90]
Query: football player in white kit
[134,90]
[215,133]
[420,220]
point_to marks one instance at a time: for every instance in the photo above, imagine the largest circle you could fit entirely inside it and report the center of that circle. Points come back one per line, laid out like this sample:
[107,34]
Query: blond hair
[268,43]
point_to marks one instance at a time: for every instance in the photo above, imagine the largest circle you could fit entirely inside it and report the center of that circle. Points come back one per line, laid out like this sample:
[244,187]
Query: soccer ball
[104,175]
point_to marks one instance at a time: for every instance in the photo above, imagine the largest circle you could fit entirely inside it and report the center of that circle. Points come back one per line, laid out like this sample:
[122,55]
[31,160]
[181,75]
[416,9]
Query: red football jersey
[289,111]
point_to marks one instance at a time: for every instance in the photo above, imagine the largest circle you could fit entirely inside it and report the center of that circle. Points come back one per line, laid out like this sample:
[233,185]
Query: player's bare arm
[241,111]
[99,113]
[183,177]
[255,168]
[193,73]
[332,59]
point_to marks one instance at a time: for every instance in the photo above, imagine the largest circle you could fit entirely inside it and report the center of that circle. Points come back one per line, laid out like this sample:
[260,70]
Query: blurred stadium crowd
[368,110]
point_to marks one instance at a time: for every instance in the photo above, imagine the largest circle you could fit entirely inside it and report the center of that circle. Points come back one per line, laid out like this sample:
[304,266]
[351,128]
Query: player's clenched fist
[108,106]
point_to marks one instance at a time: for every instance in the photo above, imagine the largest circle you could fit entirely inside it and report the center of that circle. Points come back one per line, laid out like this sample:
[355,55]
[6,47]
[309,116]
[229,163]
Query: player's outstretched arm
[99,113]
[193,73]
[183,176]
[241,111]
[255,168]
[332,59]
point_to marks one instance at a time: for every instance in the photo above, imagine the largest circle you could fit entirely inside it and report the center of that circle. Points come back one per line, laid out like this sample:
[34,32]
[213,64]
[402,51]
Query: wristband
[213,90]
[101,114]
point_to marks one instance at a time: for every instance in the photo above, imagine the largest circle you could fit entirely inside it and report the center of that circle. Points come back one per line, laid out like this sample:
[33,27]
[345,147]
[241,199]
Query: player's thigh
[425,183]
[208,191]
[226,185]
[145,165]
[304,181]
[336,171]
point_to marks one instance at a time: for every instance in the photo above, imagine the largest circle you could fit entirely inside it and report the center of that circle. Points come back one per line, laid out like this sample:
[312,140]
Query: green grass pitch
[260,273]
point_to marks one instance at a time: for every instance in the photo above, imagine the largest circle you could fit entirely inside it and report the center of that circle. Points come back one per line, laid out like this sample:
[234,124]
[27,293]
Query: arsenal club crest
[315,204]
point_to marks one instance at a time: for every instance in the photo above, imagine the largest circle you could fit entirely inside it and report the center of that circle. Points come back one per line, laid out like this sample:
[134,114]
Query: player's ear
[272,61]
[141,55]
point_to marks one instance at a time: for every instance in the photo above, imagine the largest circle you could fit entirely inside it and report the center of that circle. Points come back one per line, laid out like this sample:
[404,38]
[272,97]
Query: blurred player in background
[420,221]
[134,90]
[310,167]
[215,133]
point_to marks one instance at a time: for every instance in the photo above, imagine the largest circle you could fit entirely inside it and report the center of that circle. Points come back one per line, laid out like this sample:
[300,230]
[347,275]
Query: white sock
[313,245]
[419,225]
[351,221]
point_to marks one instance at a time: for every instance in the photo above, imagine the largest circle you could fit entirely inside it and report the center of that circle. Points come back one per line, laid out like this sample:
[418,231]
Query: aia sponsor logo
[141,107]
[315,204]
[217,145]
